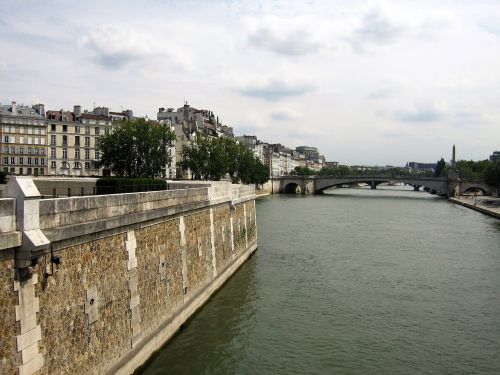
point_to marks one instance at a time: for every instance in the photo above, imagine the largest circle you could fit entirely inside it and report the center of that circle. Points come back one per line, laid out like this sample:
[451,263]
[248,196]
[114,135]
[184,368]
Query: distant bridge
[443,186]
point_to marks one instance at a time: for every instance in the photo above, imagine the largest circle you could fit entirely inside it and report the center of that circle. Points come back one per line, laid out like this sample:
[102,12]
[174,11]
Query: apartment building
[74,141]
[24,139]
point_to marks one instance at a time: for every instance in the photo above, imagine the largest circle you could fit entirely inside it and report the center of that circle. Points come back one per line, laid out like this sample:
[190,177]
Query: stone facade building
[24,139]
[74,141]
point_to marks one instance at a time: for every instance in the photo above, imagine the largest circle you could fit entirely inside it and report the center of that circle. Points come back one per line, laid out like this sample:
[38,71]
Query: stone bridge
[444,186]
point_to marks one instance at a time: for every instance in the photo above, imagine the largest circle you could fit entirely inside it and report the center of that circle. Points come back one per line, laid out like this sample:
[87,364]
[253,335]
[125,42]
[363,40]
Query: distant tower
[453,160]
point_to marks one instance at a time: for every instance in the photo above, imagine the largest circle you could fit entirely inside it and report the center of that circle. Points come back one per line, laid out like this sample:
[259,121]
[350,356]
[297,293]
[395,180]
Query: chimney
[77,110]
[40,109]
[14,108]
[161,110]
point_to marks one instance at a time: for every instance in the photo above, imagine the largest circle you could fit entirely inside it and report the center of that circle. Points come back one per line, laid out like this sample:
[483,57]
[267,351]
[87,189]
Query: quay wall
[97,284]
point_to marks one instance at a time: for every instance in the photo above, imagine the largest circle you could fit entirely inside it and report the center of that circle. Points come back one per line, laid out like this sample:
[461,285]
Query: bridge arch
[291,188]
[475,189]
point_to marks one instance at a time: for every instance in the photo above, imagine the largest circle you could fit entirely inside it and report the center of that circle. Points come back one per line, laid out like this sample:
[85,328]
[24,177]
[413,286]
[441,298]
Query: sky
[367,82]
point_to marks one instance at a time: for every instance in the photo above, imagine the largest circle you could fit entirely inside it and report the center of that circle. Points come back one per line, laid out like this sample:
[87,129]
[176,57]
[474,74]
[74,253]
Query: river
[355,281]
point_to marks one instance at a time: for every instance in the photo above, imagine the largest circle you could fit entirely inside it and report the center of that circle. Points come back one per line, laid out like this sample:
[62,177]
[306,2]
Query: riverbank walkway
[485,204]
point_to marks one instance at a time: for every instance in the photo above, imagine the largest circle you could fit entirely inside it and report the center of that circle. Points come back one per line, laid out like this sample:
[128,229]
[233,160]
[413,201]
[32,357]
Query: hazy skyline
[367,82]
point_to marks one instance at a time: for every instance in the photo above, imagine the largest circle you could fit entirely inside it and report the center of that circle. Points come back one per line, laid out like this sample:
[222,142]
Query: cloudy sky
[367,82]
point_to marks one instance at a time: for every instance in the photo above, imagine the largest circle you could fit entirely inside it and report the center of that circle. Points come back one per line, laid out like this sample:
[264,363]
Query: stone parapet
[107,280]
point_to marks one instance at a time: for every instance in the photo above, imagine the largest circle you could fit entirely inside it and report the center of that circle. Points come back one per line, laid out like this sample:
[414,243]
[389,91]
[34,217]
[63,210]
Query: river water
[354,282]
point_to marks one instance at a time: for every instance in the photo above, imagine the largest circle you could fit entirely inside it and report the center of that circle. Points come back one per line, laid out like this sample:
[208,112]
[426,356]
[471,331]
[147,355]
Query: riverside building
[24,139]
[74,141]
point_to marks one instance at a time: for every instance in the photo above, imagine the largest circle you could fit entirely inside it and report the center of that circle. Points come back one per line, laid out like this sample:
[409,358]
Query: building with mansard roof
[23,135]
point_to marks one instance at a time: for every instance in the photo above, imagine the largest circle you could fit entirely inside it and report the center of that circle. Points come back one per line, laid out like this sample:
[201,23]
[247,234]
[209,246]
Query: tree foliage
[137,148]
[210,158]
[303,171]
[492,175]
[441,169]
[472,169]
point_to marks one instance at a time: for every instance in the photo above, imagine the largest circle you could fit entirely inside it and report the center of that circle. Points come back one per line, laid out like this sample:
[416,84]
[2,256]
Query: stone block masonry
[115,276]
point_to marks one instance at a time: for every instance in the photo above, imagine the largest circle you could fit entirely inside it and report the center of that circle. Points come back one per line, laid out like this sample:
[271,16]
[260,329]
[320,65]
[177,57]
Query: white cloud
[115,46]
[284,37]
[3,68]
[376,28]
[272,89]
[284,114]
[420,114]
[269,66]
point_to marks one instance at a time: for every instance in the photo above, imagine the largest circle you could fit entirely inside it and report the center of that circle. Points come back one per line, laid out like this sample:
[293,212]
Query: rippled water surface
[354,282]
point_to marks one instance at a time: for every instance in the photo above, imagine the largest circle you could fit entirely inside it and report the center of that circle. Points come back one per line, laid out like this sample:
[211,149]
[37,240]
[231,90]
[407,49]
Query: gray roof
[22,111]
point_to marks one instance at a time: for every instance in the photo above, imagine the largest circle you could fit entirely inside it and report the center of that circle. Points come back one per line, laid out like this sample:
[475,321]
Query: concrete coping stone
[58,205]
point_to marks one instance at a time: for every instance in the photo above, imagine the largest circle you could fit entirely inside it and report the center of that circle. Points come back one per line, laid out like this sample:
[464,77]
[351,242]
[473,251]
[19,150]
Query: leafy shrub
[118,185]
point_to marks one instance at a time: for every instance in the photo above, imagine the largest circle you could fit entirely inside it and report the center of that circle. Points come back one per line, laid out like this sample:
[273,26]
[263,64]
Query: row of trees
[211,158]
[481,170]
[142,149]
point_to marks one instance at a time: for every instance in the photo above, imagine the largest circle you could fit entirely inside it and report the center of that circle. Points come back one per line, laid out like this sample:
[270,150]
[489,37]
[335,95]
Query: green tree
[325,171]
[342,170]
[492,176]
[303,171]
[137,148]
[261,173]
[472,169]
[211,158]
[441,169]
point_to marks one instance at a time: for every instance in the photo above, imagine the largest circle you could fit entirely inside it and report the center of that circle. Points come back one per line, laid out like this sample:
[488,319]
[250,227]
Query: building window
[53,164]
[87,141]
[29,161]
[77,140]
[77,165]
[12,160]
[87,154]
[52,127]
[65,140]
[12,150]
[87,130]
[21,171]
[12,170]
[42,151]
[29,170]
[97,155]
[106,131]
[77,153]
[87,165]
[30,150]
[42,171]
[53,139]
[65,153]
[53,152]
[96,130]
[36,161]
[6,139]
[42,161]
[21,160]
[21,129]
[77,129]
[37,151]
[6,160]
[65,128]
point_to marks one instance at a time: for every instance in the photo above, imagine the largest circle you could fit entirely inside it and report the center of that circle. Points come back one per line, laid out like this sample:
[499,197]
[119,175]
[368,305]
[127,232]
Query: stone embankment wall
[95,285]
